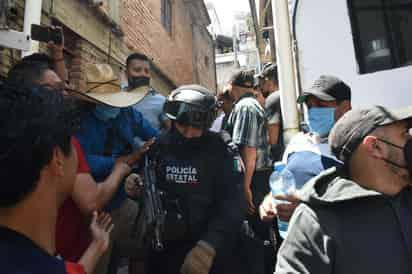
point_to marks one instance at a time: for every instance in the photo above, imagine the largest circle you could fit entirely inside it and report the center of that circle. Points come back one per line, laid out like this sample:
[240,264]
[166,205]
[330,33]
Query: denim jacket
[101,150]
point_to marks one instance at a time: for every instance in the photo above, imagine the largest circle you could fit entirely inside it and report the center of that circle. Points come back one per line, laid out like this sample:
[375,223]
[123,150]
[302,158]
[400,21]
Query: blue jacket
[101,151]
[306,156]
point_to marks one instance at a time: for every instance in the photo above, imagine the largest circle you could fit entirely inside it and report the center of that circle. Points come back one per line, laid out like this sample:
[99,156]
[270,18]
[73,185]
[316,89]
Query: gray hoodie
[343,228]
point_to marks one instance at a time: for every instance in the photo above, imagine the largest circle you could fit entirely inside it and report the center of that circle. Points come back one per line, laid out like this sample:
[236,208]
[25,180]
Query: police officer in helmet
[200,174]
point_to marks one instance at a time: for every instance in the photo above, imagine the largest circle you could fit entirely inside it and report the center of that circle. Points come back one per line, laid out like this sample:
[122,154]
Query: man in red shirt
[72,233]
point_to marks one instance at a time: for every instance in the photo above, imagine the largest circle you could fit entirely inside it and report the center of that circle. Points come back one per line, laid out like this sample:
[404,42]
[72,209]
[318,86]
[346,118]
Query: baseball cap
[243,78]
[327,88]
[352,127]
[269,69]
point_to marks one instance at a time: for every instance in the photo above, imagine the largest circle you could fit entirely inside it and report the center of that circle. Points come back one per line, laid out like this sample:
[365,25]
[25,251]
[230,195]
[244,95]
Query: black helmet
[192,105]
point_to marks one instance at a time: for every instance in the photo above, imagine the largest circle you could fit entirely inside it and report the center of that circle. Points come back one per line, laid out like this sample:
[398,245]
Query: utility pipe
[287,79]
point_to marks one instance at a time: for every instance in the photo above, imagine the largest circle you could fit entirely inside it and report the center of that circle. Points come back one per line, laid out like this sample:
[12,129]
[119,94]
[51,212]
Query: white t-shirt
[217,124]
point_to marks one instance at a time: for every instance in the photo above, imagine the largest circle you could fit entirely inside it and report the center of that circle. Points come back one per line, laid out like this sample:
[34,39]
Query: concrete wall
[225,68]
[326,47]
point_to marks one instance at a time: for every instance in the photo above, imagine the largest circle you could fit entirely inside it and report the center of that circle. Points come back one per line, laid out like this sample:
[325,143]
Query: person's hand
[136,156]
[134,185]
[146,146]
[122,166]
[56,49]
[249,199]
[285,210]
[100,227]
[267,209]
[199,260]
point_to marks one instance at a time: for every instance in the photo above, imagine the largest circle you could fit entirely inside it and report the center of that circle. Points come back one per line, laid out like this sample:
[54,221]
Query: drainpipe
[253,11]
[234,40]
[32,15]
[284,57]
[214,65]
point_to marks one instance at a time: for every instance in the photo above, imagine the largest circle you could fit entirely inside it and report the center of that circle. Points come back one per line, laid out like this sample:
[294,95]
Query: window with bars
[167,15]
[382,33]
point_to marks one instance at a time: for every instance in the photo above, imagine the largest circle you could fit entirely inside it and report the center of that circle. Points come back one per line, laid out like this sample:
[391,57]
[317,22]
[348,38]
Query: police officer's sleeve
[307,247]
[231,204]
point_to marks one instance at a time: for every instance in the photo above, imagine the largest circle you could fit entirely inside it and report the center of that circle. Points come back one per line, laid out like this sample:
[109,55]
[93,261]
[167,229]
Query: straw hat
[103,86]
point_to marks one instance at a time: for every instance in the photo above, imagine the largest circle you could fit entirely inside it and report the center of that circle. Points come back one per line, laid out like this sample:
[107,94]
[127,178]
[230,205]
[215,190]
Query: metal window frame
[389,35]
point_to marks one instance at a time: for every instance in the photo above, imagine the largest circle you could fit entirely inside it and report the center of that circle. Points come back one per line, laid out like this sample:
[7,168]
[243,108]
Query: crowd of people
[75,162]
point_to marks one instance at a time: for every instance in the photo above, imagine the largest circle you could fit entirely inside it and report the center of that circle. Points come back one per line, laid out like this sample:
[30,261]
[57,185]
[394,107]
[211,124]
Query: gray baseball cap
[355,125]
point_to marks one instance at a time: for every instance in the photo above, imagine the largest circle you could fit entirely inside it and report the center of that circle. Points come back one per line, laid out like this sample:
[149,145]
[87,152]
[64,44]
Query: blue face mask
[321,120]
[106,113]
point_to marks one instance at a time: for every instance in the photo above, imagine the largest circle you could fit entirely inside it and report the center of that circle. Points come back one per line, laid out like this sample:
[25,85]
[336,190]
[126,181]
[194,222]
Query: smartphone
[46,34]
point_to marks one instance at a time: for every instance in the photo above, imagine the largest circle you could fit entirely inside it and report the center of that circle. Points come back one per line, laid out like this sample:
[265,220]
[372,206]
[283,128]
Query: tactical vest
[189,175]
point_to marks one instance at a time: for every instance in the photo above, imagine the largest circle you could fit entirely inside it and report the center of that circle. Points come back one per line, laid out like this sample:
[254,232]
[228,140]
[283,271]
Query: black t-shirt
[20,255]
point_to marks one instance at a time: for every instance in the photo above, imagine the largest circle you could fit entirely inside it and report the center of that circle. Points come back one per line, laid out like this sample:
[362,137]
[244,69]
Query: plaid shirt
[247,126]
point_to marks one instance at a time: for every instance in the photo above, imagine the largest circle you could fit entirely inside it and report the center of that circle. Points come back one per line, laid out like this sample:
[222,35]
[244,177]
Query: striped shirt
[247,126]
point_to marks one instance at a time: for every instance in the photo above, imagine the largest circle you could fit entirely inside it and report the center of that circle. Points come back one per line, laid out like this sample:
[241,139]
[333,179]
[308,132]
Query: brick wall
[172,53]
[86,53]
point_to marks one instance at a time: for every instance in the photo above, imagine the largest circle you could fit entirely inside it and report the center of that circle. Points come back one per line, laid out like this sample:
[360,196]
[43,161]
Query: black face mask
[407,154]
[187,142]
[138,81]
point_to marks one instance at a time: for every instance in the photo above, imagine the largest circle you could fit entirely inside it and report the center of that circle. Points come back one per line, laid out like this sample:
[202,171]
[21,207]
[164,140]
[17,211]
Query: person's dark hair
[136,56]
[28,73]
[271,73]
[225,95]
[243,78]
[33,122]
[39,58]
[342,92]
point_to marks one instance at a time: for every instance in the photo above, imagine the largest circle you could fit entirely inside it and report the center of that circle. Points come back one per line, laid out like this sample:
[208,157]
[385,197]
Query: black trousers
[170,260]
[260,253]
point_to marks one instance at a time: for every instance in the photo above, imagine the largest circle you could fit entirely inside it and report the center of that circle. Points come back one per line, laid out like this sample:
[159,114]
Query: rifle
[152,206]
